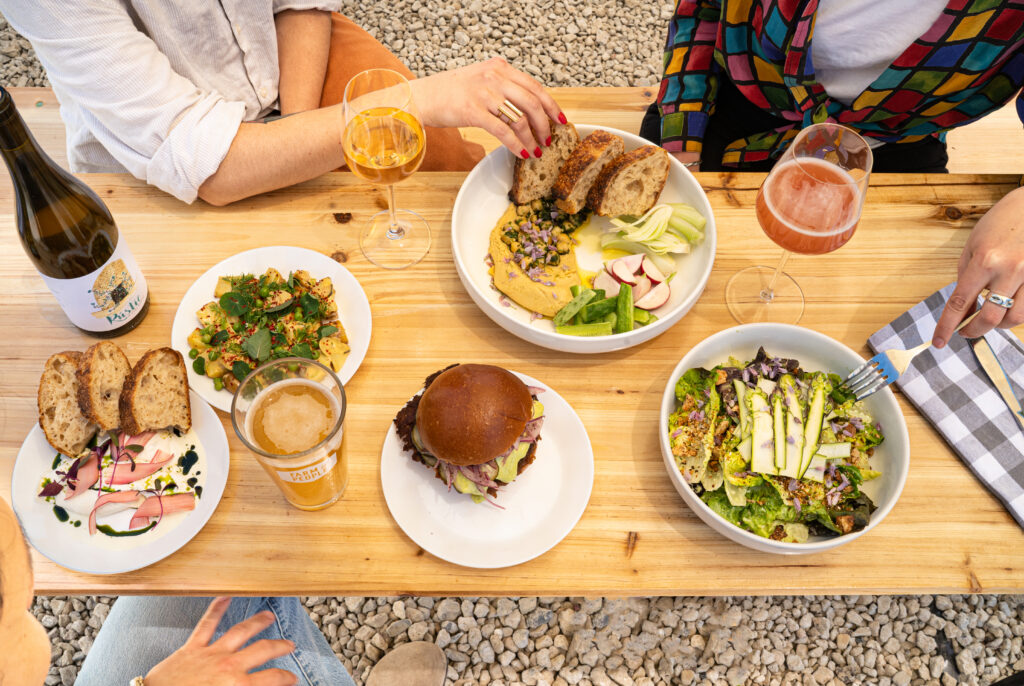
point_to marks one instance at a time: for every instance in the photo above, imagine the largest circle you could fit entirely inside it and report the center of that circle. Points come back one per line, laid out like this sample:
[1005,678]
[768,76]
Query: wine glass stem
[395,230]
[768,292]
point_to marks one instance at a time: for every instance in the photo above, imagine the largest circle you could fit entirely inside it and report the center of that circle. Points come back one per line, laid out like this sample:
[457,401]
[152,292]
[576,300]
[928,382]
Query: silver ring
[1001,300]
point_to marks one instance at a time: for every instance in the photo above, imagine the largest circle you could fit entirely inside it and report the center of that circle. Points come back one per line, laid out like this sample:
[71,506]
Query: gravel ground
[784,641]
[883,641]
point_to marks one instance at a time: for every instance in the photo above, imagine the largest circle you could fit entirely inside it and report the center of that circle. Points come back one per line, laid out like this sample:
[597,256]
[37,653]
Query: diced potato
[303,277]
[230,382]
[272,276]
[323,289]
[212,316]
[340,333]
[330,308]
[215,369]
[223,286]
[277,299]
[195,340]
[335,350]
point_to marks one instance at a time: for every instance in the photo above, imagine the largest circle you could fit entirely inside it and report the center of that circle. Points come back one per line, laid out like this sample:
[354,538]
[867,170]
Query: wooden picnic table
[637,537]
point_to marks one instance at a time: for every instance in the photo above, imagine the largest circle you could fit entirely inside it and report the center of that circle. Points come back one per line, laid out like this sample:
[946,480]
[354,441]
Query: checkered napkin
[950,388]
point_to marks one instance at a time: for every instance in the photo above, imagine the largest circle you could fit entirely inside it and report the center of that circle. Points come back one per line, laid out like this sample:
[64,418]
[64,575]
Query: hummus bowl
[483,199]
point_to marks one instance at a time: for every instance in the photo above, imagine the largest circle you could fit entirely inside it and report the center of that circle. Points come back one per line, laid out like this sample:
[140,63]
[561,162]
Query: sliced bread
[155,394]
[581,169]
[532,179]
[101,374]
[62,421]
[631,183]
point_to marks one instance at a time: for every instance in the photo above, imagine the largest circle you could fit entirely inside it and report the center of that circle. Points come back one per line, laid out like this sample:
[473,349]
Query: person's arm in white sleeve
[155,122]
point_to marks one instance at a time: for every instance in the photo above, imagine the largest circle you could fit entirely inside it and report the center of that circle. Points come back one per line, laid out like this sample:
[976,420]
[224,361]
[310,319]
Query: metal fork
[885,367]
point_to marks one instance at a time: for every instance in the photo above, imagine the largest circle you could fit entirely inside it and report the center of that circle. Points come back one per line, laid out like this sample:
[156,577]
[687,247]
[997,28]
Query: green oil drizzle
[187,461]
[60,513]
[105,528]
[56,461]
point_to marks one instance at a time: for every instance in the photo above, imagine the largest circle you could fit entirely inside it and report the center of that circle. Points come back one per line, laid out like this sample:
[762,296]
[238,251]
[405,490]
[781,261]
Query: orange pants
[354,50]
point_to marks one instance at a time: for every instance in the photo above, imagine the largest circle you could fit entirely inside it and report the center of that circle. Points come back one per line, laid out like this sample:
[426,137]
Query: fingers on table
[207,626]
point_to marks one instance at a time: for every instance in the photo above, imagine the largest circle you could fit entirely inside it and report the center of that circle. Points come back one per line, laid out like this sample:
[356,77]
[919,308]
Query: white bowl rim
[753,540]
[622,340]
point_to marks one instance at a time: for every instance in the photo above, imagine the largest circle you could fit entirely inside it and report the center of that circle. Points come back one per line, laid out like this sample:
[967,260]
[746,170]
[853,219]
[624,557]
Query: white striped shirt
[156,88]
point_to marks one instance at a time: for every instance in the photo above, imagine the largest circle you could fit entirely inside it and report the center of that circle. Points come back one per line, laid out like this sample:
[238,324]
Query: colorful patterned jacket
[968,64]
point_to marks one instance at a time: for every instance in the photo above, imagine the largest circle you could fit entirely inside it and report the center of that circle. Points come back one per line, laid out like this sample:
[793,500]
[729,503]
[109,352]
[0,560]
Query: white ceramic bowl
[816,352]
[483,198]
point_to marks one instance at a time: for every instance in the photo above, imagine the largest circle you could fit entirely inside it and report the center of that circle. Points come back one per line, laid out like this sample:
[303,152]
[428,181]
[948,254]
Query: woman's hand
[688,158]
[994,259]
[224,662]
[470,96]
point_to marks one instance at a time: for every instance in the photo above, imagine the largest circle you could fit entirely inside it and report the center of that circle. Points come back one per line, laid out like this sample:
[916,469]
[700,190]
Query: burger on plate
[475,425]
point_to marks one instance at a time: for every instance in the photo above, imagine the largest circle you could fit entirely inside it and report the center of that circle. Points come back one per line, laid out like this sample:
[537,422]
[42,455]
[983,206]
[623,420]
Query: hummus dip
[534,262]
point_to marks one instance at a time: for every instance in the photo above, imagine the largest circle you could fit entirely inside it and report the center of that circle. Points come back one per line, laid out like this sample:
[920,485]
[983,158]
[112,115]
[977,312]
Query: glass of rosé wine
[810,203]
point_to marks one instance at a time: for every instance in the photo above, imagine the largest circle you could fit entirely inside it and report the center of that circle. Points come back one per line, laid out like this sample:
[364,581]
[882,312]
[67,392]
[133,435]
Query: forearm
[303,44]
[283,152]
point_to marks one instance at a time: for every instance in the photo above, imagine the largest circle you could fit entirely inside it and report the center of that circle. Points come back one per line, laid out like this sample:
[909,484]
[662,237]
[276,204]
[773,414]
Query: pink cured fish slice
[120,497]
[88,474]
[141,439]
[159,505]
[121,473]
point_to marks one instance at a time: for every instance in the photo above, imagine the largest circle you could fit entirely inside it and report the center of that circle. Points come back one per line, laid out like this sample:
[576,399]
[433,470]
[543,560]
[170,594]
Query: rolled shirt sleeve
[156,123]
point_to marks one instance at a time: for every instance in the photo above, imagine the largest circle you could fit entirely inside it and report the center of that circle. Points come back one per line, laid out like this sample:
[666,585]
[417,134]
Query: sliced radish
[632,262]
[622,272]
[642,287]
[111,503]
[657,297]
[651,271]
[607,282]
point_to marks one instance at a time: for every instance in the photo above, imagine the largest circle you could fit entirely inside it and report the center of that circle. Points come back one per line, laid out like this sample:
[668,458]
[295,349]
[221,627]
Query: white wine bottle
[70,236]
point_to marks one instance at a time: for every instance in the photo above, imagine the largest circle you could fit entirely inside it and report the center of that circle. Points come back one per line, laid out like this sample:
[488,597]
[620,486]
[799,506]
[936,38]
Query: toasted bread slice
[533,179]
[102,370]
[581,169]
[631,183]
[62,421]
[155,394]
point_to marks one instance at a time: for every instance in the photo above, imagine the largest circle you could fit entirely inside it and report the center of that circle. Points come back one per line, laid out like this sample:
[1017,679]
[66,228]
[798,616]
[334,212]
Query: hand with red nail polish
[224,662]
[471,96]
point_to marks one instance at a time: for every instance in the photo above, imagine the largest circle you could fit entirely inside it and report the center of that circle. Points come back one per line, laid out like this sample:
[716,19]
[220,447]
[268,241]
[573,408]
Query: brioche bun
[472,413]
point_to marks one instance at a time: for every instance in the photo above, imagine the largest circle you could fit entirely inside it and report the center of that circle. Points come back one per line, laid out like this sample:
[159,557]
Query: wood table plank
[947,533]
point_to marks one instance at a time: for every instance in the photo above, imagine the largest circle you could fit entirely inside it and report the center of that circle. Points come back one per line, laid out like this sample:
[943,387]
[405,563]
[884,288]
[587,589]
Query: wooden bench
[993,145]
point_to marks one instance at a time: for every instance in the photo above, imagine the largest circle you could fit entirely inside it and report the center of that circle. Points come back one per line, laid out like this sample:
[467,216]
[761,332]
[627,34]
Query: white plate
[353,307]
[483,198]
[815,352]
[64,544]
[541,506]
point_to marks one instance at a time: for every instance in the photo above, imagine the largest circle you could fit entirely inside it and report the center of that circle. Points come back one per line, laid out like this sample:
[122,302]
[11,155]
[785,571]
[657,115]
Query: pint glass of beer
[290,414]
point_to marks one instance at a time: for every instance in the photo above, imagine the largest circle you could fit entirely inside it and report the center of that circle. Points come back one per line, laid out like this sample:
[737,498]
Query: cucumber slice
[833,451]
[762,455]
[741,397]
[779,428]
[815,418]
[794,425]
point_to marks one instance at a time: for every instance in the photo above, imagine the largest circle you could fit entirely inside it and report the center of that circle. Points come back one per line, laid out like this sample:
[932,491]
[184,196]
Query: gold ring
[511,113]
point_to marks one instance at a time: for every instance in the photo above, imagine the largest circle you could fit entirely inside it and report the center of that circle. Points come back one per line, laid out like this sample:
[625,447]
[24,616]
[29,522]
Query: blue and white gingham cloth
[950,388]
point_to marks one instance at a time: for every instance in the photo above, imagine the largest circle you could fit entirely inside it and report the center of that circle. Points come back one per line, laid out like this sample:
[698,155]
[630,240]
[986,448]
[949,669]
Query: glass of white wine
[384,142]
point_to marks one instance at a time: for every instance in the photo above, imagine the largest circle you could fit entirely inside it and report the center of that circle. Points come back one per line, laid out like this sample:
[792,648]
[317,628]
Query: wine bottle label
[105,299]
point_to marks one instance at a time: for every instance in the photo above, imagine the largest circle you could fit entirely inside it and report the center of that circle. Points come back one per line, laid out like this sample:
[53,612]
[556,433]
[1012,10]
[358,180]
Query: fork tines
[871,376]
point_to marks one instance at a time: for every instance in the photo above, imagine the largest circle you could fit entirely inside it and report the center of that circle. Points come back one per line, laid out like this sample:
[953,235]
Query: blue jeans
[142,631]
